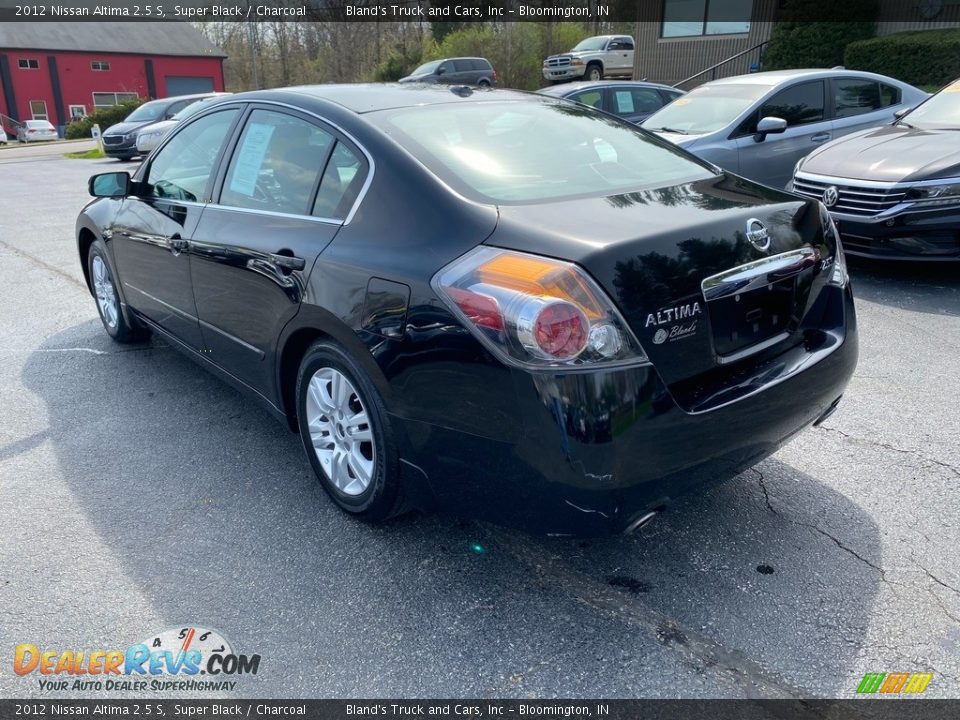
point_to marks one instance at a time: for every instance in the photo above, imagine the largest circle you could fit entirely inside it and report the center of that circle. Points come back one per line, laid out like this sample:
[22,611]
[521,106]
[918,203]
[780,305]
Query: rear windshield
[706,109]
[536,151]
[38,124]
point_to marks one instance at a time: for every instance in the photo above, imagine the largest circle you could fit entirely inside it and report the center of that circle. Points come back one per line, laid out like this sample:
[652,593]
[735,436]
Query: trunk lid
[700,295]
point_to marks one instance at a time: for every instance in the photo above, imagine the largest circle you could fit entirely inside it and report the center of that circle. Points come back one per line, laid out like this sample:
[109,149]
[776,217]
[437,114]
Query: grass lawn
[94,154]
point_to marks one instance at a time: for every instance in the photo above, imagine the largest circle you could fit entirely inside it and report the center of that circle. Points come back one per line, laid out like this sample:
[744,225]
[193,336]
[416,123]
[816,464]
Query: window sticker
[250,159]
[624,101]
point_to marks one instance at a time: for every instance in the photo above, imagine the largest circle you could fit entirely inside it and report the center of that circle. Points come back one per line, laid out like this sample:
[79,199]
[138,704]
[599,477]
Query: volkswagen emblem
[830,196]
[757,234]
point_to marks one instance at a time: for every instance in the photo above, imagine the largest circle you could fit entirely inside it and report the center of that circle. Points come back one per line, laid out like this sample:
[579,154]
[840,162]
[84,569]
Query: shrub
[798,41]
[80,129]
[919,57]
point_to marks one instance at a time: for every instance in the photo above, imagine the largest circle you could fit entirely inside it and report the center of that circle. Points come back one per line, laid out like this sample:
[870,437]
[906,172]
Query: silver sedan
[760,125]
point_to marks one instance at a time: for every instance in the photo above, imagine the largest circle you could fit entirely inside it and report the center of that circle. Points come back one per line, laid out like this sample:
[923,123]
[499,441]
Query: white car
[36,130]
[3,136]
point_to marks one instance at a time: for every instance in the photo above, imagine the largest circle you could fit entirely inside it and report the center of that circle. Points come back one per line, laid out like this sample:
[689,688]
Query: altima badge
[757,234]
[830,196]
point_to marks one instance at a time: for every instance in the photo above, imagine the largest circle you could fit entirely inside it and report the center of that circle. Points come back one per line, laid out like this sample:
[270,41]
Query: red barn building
[60,70]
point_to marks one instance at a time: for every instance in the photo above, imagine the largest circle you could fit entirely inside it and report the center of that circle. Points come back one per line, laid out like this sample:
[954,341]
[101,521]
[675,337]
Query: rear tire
[594,72]
[104,289]
[347,435]
[484,83]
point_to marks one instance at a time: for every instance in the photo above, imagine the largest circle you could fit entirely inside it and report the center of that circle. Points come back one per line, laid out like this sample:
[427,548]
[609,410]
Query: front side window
[536,151]
[463,65]
[182,168]
[689,18]
[889,95]
[276,164]
[798,105]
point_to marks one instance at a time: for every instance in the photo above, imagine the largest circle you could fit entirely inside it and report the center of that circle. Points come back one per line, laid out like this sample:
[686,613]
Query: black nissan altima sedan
[487,302]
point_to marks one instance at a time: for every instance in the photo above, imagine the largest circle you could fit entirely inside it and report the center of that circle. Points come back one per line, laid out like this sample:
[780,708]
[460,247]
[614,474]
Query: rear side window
[854,97]
[593,98]
[481,64]
[798,105]
[632,101]
[889,95]
[341,183]
[182,168]
[277,164]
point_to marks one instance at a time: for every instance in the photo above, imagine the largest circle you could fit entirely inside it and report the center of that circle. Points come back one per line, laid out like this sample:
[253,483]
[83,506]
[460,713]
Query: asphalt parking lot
[138,493]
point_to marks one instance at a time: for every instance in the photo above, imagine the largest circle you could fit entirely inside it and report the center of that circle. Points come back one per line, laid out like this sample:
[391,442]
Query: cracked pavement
[138,493]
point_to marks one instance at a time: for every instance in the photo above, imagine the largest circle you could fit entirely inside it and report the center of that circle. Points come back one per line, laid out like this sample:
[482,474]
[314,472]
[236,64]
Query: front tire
[346,434]
[104,289]
[594,72]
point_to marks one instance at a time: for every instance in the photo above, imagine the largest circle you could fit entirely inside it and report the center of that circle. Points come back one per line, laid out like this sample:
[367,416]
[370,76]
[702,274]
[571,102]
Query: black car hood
[125,127]
[892,153]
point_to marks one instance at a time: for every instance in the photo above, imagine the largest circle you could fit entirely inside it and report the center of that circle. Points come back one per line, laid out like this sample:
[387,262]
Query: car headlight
[576,61]
[946,194]
[536,312]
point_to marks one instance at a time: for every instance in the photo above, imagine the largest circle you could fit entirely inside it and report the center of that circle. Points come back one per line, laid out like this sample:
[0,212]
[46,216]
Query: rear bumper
[587,454]
[910,234]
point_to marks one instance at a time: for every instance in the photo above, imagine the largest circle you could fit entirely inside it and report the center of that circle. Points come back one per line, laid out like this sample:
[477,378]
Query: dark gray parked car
[633,101]
[455,71]
[120,140]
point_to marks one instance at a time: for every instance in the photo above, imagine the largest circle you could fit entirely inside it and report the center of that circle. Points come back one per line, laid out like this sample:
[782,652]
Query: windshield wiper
[671,130]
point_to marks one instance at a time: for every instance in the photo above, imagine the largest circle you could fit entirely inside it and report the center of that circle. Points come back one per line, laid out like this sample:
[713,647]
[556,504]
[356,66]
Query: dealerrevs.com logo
[181,659]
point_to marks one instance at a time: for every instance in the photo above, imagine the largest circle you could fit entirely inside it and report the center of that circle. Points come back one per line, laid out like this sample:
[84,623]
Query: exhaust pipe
[641,521]
[828,412]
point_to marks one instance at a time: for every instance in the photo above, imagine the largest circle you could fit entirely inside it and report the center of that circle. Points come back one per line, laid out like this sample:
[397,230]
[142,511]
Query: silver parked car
[36,131]
[760,125]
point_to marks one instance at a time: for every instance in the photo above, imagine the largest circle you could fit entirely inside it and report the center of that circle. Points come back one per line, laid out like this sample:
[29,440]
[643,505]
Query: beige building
[689,42]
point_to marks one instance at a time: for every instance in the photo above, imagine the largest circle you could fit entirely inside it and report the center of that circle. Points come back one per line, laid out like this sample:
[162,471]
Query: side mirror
[441,70]
[769,125]
[114,184]
[901,112]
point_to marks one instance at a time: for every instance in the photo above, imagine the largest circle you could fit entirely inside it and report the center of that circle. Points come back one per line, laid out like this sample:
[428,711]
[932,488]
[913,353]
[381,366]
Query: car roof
[178,98]
[371,97]
[775,77]
[567,88]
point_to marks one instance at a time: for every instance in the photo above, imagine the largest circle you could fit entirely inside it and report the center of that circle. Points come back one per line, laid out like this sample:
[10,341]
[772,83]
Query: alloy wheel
[106,295]
[340,431]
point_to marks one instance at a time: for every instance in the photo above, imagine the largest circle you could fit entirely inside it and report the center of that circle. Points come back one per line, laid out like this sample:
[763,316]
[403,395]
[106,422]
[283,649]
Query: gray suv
[455,71]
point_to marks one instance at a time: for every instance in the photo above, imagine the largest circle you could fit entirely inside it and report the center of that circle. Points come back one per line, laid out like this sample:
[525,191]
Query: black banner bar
[444,10]
[893,708]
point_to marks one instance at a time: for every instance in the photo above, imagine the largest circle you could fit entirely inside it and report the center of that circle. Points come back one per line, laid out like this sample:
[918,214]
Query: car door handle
[288,262]
[820,137]
[177,244]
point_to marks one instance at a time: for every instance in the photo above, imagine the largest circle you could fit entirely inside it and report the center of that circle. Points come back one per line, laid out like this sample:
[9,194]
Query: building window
[99,65]
[38,110]
[28,64]
[109,99]
[692,18]
[78,112]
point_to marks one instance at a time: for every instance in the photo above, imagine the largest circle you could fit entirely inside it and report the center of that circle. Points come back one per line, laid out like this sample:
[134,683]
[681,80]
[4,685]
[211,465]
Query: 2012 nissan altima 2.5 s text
[487,302]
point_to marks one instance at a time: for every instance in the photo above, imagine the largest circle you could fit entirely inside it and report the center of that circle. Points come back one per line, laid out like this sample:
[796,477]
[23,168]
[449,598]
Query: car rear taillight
[536,312]
[30,131]
[495,78]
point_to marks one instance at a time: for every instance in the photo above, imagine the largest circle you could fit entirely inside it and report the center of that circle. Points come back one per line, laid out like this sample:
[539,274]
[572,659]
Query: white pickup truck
[593,59]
